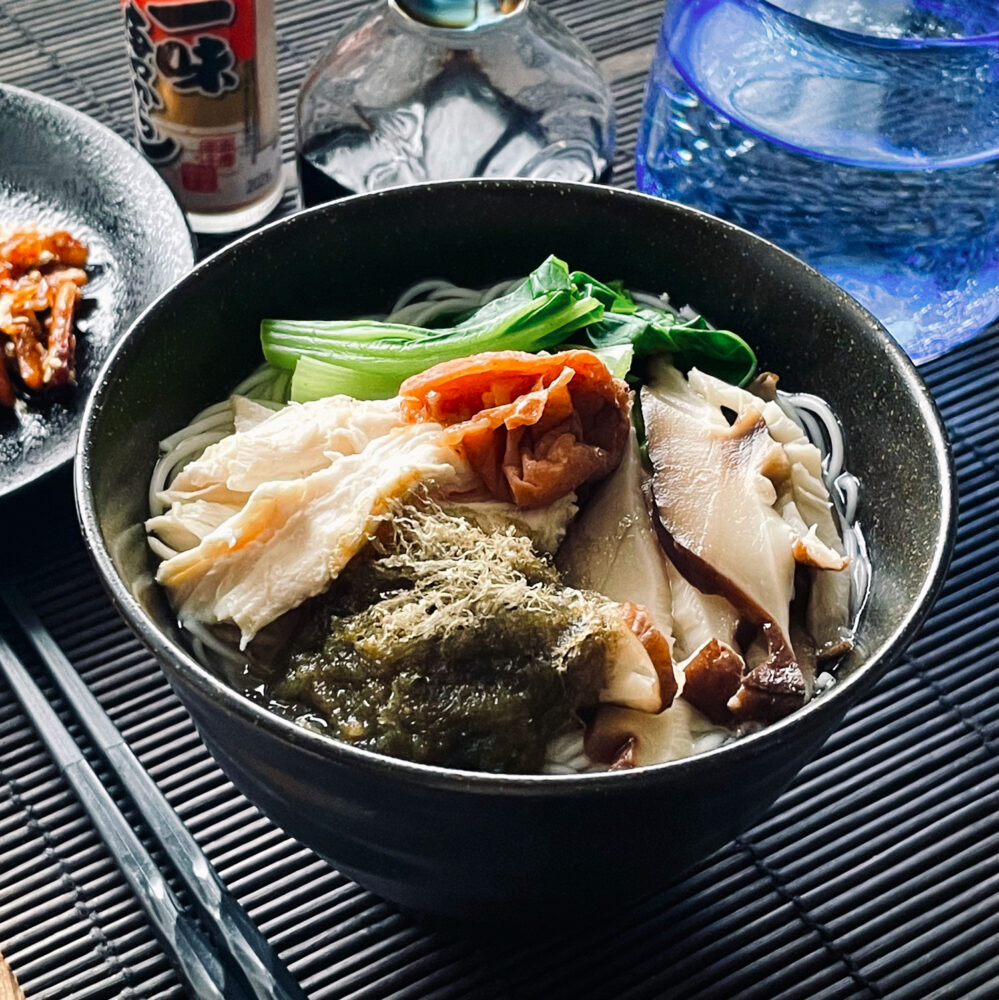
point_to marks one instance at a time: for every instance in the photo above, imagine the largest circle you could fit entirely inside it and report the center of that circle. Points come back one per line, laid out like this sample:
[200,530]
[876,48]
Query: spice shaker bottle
[417,90]
[204,73]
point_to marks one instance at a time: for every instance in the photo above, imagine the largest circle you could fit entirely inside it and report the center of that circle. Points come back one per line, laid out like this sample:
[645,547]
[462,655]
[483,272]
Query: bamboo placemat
[875,876]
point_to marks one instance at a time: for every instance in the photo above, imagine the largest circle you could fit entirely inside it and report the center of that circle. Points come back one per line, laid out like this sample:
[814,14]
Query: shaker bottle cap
[459,13]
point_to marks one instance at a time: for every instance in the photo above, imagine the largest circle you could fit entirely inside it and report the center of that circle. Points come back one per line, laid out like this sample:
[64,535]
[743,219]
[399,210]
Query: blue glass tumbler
[862,137]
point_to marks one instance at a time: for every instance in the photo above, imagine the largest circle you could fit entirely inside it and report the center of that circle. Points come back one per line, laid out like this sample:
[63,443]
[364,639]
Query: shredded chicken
[256,544]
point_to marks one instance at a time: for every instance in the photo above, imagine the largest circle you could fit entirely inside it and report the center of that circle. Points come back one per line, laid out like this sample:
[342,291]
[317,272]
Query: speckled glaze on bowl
[479,845]
[61,169]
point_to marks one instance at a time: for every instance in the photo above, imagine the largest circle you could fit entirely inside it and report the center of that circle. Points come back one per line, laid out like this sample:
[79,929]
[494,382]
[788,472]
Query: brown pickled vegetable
[40,279]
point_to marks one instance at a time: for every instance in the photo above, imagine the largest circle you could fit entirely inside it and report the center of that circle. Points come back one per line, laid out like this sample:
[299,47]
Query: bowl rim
[172,656]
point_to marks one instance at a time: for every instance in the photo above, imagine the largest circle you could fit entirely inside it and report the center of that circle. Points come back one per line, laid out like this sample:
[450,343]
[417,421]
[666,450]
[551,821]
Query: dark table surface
[875,875]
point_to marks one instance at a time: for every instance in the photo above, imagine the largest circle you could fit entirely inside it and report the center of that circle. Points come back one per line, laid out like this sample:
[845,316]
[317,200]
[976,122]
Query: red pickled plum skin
[534,427]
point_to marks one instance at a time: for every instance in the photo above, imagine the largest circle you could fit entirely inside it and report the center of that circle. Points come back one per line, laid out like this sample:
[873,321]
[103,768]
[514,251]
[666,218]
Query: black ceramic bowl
[485,845]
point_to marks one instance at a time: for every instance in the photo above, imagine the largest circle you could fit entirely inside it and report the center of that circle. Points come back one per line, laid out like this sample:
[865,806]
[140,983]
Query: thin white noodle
[849,489]
[207,639]
[431,300]
[831,429]
[408,315]
[265,385]
[500,288]
[425,313]
[564,754]
[160,548]
[207,420]
[415,291]
[189,448]
[465,295]
[824,430]
[170,463]
[808,423]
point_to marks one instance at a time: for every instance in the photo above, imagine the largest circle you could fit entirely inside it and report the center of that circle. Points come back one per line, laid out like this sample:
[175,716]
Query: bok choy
[369,359]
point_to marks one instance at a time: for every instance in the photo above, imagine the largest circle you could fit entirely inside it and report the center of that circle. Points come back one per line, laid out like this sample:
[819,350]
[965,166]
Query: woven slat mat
[876,875]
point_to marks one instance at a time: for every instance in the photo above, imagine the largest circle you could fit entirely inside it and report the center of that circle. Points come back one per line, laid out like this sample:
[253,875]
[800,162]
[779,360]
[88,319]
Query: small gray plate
[61,169]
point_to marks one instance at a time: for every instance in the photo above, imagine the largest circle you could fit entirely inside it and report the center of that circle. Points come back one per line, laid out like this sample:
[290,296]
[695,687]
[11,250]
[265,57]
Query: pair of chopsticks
[233,960]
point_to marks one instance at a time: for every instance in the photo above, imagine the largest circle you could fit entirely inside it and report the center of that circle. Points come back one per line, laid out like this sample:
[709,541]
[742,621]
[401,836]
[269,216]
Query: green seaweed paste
[447,644]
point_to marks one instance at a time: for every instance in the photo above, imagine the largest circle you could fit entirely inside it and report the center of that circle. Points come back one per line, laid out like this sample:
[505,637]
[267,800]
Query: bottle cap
[459,13]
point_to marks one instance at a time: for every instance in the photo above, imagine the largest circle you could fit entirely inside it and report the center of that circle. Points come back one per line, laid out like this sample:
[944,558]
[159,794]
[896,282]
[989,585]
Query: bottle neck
[459,13]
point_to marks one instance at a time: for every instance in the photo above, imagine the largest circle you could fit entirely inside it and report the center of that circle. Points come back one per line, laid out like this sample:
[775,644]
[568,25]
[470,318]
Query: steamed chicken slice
[545,526]
[184,525]
[247,413]
[293,536]
[290,444]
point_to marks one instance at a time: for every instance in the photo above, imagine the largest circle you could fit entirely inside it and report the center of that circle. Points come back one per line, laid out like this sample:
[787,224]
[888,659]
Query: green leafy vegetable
[539,313]
[651,331]
[369,359]
[612,296]
[617,358]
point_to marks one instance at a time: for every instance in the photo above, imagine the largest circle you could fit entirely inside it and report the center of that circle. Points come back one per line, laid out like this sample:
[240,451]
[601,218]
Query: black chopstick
[263,976]
[198,966]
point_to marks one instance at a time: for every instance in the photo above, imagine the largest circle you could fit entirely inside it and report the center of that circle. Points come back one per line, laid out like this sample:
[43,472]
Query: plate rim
[57,110]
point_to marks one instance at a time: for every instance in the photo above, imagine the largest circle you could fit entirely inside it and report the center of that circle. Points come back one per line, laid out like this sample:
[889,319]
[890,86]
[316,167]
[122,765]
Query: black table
[876,875]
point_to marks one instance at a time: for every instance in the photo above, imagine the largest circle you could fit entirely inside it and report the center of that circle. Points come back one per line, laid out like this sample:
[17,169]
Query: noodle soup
[430,536]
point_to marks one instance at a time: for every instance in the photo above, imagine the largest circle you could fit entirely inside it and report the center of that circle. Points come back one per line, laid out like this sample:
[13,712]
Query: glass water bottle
[417,90]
